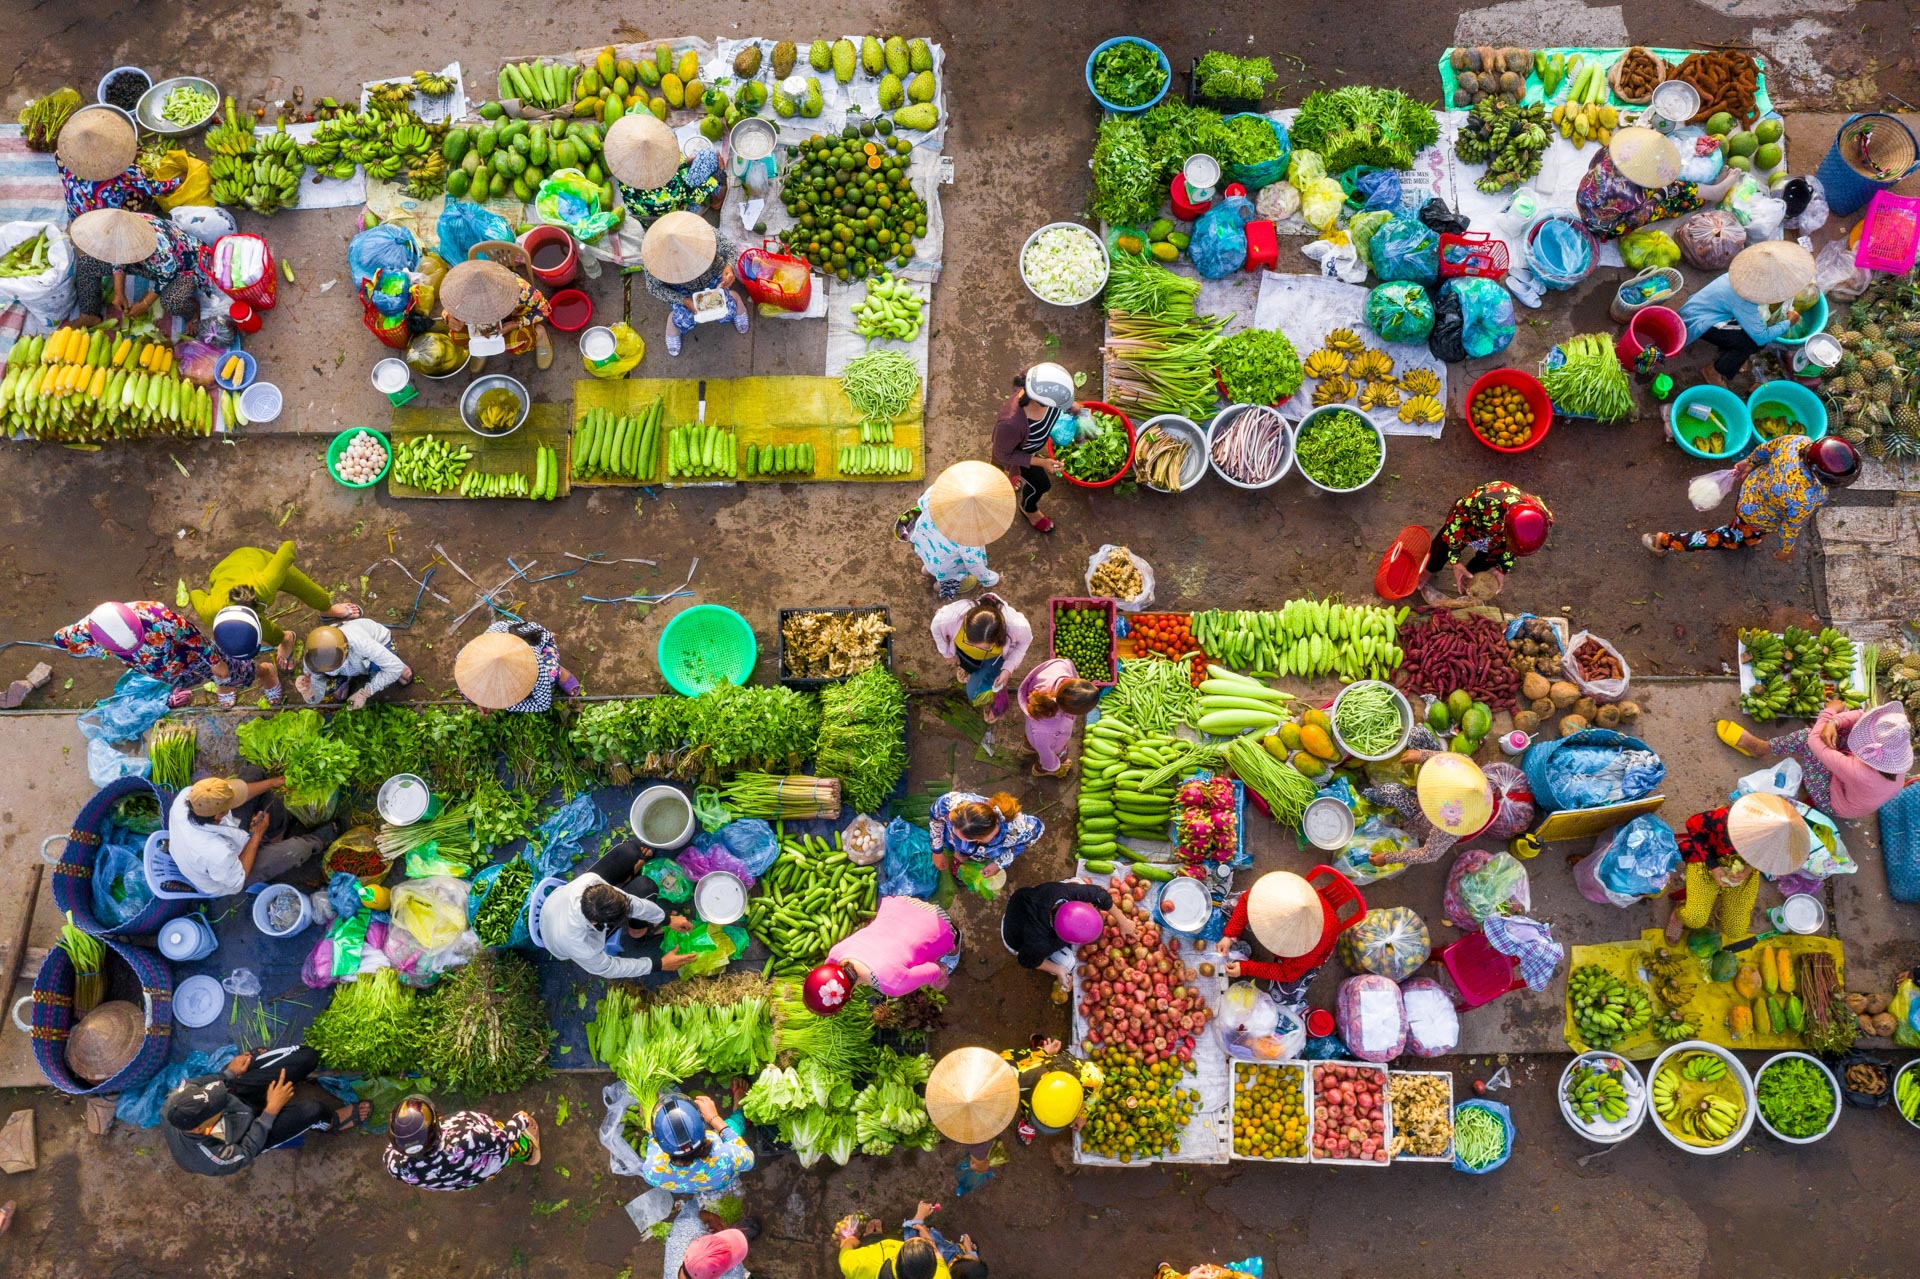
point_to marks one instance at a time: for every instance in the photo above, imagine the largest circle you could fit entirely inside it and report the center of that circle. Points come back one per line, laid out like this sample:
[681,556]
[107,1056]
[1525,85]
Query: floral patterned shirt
[130,190]
[1781,492]
[711,1175]
[691,186]
[473,1147]
[173,650]
[1013,838]
[1705,839]
[1478,522]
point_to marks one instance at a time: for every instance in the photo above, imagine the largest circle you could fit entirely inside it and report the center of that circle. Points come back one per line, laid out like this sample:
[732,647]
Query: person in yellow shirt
[913,1258]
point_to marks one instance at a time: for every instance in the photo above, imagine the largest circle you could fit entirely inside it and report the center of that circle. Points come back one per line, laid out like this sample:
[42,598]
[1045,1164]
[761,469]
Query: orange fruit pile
[1503,416]
[1269,1112]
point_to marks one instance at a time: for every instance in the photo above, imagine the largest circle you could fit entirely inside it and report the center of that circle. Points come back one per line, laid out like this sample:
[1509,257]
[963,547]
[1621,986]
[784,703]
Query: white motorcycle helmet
[1051,385]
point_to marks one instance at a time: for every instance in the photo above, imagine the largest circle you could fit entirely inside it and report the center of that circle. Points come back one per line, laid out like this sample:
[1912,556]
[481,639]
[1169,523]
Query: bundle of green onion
[774,798]
[1163,365]
[451,831]
[87,953]
[1139,286]
[170,748]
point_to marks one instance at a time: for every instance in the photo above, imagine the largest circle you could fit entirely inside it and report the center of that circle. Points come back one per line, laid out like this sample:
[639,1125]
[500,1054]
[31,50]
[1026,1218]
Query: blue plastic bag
[385,247]
[1219,245]
[568,200]
[752,841]
[561,838]
[1486,314]
[141,1106]
[120,889]
[907,869]
[1371,188]
[1405,249]
[1505,1116]
[1630,862]
[1900,844]
[137,703]
[464,224]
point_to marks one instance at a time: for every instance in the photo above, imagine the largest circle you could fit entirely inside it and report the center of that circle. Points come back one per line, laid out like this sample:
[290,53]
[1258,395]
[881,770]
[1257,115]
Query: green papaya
[1703,942]
[1725,966]
[454,147]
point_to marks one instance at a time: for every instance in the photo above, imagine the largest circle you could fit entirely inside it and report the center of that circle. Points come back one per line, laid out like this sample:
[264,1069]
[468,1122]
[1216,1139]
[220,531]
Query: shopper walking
[909,944]
[1020,433]
[1053,697]
[1484,533]
[984,640]
[457,1151]
[1782,484]
[149,637]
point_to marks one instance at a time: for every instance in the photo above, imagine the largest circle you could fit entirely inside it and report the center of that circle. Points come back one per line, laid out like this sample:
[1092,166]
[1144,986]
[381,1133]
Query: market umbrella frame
[972,503]
[972,1095]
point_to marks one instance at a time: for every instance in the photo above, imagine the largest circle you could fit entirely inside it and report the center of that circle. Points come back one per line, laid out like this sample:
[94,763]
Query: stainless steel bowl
[147,112]
[470,403]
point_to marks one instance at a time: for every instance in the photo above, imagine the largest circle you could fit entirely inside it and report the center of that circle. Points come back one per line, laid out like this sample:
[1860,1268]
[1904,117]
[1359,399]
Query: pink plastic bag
[1433,1024]
[1371,1017]
[1512,800]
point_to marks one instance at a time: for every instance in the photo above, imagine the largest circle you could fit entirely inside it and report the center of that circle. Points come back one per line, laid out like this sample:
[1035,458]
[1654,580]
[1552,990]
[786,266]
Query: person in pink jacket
[1052,697]
[909,944]
[985,640]
[1852,761]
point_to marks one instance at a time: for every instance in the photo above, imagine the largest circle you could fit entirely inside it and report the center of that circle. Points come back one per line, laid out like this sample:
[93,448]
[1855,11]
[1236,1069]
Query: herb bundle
[862,737]
[1359,124]
[1126,181]
[1222,75]
[1259,366]
[485,1027]
[385,740]
[499,816]
[170,750]
[372,1027]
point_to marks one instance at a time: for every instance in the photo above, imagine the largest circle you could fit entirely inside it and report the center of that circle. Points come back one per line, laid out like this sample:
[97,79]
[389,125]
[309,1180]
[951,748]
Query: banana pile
[1597,1095]
[1687,1097]
[432,84]
[1509,140]
[1796,671]
[1606,1010]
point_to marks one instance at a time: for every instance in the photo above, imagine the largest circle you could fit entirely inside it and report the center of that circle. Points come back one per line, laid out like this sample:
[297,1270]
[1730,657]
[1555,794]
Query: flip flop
[1730,733]
[356,1115]
[1654,548]
[1042,525]
[533,1136]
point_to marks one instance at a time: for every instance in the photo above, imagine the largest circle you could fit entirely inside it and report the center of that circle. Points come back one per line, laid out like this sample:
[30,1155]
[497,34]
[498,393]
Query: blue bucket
[1847,187]
[1798,400]
[1732,411]
[1166,70]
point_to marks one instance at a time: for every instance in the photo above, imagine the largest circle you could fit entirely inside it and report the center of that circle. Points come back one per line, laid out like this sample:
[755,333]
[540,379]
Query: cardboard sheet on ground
[548,424]
[1308,307]
[1711,1003]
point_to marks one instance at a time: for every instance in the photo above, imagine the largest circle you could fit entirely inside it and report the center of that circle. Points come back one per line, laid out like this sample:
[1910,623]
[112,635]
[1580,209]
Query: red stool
[1263,245]
[1480,973]
[1183,208]
[1340,896]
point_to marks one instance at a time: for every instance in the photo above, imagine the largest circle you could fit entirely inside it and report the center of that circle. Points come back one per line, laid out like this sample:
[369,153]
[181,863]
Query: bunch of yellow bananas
[432,83]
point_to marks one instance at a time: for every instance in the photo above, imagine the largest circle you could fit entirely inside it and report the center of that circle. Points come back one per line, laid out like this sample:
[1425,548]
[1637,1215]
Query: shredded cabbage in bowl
[1065,265]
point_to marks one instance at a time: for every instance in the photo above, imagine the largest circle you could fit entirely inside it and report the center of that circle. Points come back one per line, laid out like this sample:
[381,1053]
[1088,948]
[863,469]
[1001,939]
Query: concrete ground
[76,528]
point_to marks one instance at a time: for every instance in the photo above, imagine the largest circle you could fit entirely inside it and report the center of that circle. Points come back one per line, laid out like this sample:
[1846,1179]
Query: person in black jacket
[217,1125]
[1041,934]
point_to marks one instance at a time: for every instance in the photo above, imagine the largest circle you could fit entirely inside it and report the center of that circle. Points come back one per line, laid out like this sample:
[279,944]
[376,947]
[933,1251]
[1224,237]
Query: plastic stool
[1480,973]
[1184,209]
[1263,245]
[1339,894]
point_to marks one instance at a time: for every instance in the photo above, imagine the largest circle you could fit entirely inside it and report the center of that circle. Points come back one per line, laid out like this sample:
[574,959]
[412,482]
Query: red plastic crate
[1091,603]
[1474,253]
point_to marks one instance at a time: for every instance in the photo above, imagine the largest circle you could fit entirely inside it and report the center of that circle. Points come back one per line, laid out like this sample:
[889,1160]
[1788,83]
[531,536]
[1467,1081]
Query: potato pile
[1499,74]
[1542,699]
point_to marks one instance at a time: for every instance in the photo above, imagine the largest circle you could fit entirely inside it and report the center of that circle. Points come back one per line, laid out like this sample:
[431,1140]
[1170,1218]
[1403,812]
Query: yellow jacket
[268,573]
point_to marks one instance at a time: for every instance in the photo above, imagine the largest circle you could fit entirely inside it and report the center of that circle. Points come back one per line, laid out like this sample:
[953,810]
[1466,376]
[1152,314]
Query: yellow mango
[689,66]
[673,89]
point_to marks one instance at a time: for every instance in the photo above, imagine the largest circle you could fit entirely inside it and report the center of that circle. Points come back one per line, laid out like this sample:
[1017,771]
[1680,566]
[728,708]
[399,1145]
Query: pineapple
[1906,419]
[1848,363]
[1883,359]
[1899,445]
[1871,331]
[1855,381]
[1907,330]
[1853,337]
[1881,392]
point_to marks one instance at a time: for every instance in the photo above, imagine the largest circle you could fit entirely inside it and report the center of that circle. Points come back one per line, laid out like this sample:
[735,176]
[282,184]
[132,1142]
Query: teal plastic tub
[1806,326]
[705,646]
[1732,411]
[1799,401]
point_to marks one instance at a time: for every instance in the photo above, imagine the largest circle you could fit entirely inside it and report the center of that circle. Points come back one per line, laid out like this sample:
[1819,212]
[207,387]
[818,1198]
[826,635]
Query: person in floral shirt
[1782,483]
[1720,886]
[97,155]
[1485,532]
[111,244]
[976,838]
[151,638]
[457,1152]
[692,1151]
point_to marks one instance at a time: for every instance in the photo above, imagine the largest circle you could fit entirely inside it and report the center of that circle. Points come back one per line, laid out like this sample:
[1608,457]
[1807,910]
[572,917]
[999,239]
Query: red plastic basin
[1537,399]
[1126,466]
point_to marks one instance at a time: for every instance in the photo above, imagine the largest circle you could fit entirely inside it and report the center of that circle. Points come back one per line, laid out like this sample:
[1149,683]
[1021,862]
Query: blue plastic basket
[1846,187]
[73,874]
[1166,69]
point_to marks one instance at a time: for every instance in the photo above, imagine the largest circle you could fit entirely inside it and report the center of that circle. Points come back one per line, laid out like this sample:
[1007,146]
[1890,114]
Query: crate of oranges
[1272,1111]
[1508,410]
[1168,635]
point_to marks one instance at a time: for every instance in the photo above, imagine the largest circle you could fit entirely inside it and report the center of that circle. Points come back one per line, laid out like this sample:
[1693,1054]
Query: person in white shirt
[336,656]
[579,918]
[216,853]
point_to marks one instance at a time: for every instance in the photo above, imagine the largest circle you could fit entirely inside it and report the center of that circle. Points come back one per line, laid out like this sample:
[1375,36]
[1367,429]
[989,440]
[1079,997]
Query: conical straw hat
[972,1095]
[1454,794]
[1771,271]
[479,292]
[1646,158]
[678,248]
[641,151]
[496,670]
[972,503]
[118,237]
[1286,915]
[1769,834]
[96,144]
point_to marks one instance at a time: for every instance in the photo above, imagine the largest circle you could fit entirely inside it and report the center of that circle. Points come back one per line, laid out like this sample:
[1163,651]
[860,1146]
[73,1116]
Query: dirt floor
[125,522]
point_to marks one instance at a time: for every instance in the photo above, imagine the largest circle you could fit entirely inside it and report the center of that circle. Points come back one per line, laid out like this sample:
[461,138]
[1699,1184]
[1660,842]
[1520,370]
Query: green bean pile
[879,385]
[1368,719]
[1479,1137]
[1282,786]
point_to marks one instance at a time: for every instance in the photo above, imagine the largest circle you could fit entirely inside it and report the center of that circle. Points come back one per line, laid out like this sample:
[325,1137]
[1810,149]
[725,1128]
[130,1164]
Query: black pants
[1437,559]
[1736,348]
[1034,484]
[311,1105]
[620,866]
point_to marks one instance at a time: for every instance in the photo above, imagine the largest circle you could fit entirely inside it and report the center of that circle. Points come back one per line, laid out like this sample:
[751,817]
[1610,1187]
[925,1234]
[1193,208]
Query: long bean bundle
[1163,365]
[1138,286]
[1591,380]
[774,798]
[879,384]
[1286,792]
[86,952]
[1153,694]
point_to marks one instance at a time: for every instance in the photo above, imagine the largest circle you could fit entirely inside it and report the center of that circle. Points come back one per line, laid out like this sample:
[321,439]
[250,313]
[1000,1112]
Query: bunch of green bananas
[1597,1095]
[432,83]
[279,144]
[230,137]
[1673,1026]
[1704,1068]
[393,96]
[275,185]
[1606,1010]
[408,137]
[1510,140]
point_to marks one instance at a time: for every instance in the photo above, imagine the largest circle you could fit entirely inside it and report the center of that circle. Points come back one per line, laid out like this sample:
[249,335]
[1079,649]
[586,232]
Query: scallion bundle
[773,798]
[1163,365]
[170,749]
[451,831]
[1138,286]
[87,953]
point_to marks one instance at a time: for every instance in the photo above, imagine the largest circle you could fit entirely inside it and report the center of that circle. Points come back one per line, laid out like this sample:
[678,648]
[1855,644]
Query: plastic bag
[908,869]
[1390,943]
[1512,800]
[1304,168]
[196,181]
[1701,160]
[1906,996]
[673,883]
[562,835]
[1600,690]
[1361,228]
[120,889]
[1371,188]
[1762,214]
[1404,249]
[1648,246]
[1837,275]
[378,248]
[1253,1026]
[1438,216]
[622,1159]
[1378,832]
[1561,253]
[1473,318]
[1134,603]
[205,223]
[753,842]
[137,703]
[1400,311]
[1710,239]
[432,911]
[1709,490]
[1339,258]
[48,295]
[865,840]
[1481,883]
[1321,204]
[1219,244]
[1629,863]
[567,198]
[464,224]
[1505,1116]
[705,855]
[712,946]
[1433,1024]
[1371,1017]
[628,349]
[1278,202]
[141,1106]
[1804,218]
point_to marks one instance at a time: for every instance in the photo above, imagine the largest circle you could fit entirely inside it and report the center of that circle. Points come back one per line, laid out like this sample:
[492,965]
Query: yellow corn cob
[121,350]
[99,382]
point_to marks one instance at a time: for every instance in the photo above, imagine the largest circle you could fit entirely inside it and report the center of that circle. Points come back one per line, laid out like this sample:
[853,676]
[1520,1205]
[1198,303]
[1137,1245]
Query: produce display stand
[1304,1069]
[1858,684]
[1450,80]
[546,424]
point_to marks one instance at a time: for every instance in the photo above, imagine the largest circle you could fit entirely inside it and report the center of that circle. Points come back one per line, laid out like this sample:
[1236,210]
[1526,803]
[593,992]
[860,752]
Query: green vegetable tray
[1449,81]
[761,411]
[547,424]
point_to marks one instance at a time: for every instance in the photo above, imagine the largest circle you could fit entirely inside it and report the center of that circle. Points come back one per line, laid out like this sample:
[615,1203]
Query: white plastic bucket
[658,835]
[263,905]
[187,938]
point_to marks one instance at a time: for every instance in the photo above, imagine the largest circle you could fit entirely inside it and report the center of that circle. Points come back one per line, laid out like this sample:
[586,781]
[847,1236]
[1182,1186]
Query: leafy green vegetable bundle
[1359,124]
[1222,75]
[485,1028]
[294,745]
[1097,457]
[1259,366]
[731,727]
[385,740]
[654,1044]
[862,739]
[1126,181]
[373,1026]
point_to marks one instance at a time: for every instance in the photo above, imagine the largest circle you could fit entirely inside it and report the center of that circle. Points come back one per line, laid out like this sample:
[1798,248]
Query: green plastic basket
[339,446]
[705,645]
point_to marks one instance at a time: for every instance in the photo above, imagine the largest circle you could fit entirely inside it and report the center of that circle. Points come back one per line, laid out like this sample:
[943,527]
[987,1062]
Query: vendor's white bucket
[1202,173]
[662,818]
[405,799]
[263,906]
[188,938]
[720,897]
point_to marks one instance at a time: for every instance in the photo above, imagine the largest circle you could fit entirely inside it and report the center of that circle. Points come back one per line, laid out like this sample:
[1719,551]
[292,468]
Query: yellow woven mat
[1711,1003]
[546,424]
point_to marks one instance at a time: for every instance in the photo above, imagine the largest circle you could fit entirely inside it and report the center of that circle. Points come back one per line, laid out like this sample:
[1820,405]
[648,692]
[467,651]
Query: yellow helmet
[1057,1098]
[326,649]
